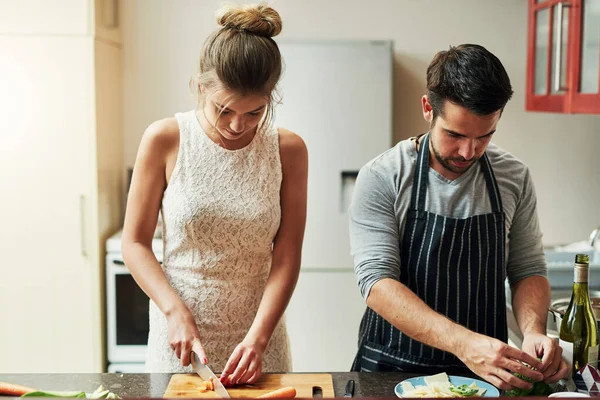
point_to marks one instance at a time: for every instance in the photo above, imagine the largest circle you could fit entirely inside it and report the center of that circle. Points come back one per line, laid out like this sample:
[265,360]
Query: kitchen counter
[371,384]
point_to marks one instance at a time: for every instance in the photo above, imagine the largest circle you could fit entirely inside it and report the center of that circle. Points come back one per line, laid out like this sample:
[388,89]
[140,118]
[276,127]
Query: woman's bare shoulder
[161,137]
[291,144]
[163,132]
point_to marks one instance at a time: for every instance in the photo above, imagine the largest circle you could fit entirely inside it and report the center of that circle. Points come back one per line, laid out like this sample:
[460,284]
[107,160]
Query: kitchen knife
[349,392]
[206,374]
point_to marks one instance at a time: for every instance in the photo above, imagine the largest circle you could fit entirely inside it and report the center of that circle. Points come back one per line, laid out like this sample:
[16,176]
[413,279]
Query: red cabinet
[563,63]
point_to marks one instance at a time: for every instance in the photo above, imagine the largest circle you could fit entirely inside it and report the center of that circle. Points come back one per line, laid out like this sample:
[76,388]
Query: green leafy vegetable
[541,389]
[39,393]
[463,390]
[99,393]
[538,388]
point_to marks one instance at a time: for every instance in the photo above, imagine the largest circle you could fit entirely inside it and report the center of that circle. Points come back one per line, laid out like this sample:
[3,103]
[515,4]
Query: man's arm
[407,312]
[530,288]
[490,358]
[374,237]
[530,300]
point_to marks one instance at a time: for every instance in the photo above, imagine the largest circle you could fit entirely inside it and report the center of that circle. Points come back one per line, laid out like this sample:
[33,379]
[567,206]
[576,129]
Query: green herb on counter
[39,393]
[99,393]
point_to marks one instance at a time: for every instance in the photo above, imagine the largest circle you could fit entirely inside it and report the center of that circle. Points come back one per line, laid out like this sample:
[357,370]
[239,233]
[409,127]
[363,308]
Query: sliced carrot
[283,393]
[207,385]
[10,389]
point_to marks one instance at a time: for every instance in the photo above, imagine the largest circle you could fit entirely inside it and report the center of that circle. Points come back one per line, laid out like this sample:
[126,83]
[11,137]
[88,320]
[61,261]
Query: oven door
[126,314]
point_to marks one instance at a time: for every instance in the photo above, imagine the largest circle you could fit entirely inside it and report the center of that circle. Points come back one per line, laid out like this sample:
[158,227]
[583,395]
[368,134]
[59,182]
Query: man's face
[458,138]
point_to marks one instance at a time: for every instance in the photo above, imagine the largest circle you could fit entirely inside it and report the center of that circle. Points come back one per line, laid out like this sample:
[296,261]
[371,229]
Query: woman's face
[233,117]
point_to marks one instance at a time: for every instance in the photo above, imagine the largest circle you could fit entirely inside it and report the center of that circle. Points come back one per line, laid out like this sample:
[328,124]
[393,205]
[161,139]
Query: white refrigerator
[337,95]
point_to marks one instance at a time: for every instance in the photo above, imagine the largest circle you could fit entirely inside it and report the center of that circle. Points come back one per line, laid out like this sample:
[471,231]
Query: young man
[437,224]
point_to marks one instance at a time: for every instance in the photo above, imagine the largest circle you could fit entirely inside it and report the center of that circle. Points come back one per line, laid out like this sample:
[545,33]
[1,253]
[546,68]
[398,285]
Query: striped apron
[456,266]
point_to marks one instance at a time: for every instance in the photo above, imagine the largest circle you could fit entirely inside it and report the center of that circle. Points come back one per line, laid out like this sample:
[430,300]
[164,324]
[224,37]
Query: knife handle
[349,391]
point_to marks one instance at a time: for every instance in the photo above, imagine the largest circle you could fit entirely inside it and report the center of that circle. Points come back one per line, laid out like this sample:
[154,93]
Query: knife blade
[206,374]
[349,391]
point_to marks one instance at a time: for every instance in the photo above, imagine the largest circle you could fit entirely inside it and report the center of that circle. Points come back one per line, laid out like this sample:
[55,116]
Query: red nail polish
[204,360]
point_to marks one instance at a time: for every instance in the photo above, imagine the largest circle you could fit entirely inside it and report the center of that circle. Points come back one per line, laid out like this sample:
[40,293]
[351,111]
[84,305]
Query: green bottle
[579,329]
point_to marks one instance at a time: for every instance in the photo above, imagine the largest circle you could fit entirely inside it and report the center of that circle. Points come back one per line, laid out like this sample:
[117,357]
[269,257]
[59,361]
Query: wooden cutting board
[186,385]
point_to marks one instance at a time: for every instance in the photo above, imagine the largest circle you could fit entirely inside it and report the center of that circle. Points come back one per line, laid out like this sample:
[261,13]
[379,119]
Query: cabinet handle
[119,262]
[558,58]
[109,13]
[84,252]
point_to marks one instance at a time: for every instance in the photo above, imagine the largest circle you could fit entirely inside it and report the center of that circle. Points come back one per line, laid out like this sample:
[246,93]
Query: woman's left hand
[244,364]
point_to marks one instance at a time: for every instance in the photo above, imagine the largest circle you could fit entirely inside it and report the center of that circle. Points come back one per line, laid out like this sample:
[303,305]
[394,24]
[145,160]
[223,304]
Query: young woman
[231,187]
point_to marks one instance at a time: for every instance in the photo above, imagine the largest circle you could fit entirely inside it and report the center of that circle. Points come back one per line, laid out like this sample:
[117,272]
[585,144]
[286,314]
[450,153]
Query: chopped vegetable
[439,386]
[207,385]
[286,392]
[10,389]
[102,393]
[464,390]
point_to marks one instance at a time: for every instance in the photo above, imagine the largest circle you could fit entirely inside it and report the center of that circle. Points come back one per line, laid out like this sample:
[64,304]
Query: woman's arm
[154,163]
[244,365]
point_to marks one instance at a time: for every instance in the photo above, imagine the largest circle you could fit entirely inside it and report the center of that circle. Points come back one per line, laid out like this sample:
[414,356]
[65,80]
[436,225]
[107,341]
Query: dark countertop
[371,384]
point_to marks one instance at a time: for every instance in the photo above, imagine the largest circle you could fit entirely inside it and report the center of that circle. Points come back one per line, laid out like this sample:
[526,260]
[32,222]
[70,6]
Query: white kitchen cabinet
[61,152]
[43,17]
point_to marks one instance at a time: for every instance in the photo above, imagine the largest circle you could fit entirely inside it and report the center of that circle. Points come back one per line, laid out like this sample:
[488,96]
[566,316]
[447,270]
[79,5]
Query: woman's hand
[244,364]
[184,337]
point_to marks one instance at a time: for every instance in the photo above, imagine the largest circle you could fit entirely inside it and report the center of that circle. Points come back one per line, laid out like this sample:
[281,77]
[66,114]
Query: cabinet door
[548,43]
[585,54]
[47,286]
[62,17]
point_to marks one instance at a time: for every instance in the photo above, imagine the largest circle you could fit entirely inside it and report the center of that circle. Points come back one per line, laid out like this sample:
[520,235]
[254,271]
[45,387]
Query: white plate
[491,391]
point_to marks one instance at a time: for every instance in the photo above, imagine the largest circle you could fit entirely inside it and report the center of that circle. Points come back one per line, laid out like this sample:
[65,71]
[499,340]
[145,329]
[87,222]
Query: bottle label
[593,356]
[581,273]
[567,351]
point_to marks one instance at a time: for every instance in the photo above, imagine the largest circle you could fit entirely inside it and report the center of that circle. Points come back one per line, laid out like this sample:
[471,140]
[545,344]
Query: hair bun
[258,19]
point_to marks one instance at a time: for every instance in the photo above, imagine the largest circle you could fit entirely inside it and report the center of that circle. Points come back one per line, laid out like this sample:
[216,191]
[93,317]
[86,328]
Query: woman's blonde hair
[241,56]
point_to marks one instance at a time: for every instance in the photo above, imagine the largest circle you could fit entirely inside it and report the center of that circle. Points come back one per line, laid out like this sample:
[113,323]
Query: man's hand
[554,367]
[497,362]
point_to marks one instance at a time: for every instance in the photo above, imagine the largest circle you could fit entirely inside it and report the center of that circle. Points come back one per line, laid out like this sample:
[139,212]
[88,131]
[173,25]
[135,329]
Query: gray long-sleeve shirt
[381,200]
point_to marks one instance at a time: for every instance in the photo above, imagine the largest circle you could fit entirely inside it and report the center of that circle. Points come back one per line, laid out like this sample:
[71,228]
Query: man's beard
[446,161]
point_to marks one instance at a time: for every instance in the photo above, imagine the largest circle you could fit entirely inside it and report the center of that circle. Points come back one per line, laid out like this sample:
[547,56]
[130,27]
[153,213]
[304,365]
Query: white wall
[162,40]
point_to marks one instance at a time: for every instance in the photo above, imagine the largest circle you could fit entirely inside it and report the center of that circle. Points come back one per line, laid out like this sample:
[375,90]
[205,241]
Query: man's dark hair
[470,76]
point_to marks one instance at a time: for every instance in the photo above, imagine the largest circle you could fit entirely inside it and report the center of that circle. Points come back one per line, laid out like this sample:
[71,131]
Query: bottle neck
[580,284]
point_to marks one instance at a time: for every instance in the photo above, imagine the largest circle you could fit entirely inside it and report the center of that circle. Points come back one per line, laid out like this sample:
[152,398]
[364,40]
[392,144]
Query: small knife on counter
[349,391]
[206,374]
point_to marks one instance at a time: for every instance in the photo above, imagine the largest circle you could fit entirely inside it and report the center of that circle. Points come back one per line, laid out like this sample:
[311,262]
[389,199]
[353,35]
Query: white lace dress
[221,212]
